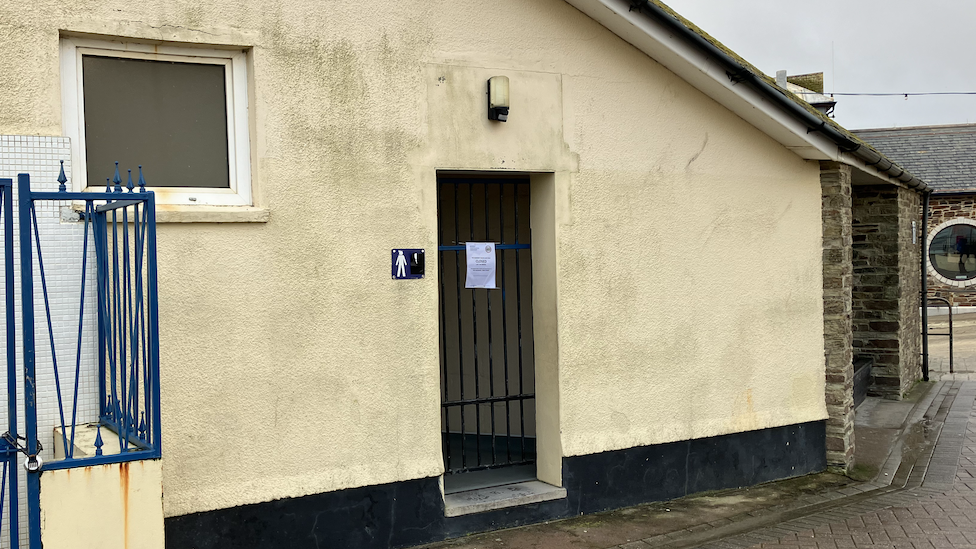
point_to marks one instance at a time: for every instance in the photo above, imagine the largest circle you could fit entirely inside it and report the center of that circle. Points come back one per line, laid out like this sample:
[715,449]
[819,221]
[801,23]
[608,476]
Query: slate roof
[942,156]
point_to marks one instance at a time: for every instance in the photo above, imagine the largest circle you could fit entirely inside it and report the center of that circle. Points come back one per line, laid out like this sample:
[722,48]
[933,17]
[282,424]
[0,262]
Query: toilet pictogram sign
[407,263]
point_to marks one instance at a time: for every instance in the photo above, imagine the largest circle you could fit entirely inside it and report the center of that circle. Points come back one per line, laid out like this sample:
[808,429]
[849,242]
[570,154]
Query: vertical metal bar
[6,196]
[30,388]
[457,275]
[3,491]
[70,449]
[508,392]
[12,515]
[111,308]
[118,340]
[131,413]
[117,354]
[491,370]
[137,314]
[925,285]
[102,297]
[153,299]
[131,265]
[125,332]
[951,368]
[474,333]
[440,268]
[532,327]
[518,302]
[142,311]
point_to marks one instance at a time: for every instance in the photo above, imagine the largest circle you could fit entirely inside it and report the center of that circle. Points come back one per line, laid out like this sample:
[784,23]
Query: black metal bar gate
[487,352]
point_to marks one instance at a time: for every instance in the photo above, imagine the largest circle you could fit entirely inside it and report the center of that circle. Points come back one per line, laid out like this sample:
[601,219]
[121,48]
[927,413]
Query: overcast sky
[878,46]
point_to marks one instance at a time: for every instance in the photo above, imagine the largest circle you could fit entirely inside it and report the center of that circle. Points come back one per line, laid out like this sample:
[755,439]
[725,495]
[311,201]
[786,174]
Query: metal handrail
[926,327]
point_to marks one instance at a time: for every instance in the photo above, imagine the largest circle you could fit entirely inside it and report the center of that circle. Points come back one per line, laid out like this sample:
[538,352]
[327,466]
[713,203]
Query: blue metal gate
[9,500]
[487,351]
[119,227]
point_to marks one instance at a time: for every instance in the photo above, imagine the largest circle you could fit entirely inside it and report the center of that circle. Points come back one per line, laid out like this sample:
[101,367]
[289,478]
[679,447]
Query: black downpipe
[925,286]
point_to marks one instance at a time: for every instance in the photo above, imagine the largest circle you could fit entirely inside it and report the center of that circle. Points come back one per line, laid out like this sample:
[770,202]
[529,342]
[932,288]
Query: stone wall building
[943,156]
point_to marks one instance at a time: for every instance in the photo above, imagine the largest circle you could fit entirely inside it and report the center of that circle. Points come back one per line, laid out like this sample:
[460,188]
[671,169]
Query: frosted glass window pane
[169,117]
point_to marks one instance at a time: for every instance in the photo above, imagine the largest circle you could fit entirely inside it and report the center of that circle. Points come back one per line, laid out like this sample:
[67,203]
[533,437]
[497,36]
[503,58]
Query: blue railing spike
[108,185]
[62,179]
[116,179]
[129,185]
[98,441]
[142,181]
[142,426]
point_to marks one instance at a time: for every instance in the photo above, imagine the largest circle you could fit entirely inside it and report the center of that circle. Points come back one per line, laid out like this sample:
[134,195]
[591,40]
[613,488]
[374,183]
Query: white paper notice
[481,265]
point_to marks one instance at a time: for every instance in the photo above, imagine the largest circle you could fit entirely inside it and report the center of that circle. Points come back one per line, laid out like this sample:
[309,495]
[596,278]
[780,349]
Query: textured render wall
[273,331]
[835,182]
[690,270]
[941,210]
[117,506]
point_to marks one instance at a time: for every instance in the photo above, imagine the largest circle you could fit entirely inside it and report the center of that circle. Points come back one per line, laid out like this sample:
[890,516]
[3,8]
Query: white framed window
[180,112]
[952,252]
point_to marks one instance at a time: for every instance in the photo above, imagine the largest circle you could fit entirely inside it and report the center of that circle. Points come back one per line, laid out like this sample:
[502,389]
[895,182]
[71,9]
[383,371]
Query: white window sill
[185,213]
[170,213]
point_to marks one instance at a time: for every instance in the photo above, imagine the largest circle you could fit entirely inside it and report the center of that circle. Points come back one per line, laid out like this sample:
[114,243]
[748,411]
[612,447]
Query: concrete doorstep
[895,443]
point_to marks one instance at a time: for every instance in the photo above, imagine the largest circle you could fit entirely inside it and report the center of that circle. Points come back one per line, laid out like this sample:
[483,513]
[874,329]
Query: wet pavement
[937,508]
[921,494]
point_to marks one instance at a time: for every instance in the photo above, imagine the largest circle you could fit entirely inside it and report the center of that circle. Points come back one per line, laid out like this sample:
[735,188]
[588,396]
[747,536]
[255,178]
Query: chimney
[781,79]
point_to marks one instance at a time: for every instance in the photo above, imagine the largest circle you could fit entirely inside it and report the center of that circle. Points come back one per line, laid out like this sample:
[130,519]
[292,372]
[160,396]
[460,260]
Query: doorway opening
[488,405]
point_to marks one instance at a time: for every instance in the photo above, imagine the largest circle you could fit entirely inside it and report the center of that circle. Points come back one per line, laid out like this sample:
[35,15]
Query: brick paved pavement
[937,507]
[930,502]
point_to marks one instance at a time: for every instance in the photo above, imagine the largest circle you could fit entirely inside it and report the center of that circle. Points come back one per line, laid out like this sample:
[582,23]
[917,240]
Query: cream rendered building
[660,328]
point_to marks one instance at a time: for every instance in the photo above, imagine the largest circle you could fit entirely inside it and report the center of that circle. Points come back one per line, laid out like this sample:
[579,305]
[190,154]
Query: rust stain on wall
[124,485]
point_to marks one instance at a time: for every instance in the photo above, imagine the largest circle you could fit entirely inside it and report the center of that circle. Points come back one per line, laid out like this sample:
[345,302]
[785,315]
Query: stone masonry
[886,286]
[835,185]
[909,264]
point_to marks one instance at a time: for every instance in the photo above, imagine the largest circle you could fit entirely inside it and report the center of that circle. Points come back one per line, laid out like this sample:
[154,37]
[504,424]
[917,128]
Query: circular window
[952,252]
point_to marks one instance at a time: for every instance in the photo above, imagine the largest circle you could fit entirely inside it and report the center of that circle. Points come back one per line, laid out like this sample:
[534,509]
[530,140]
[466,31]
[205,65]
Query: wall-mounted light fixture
[498,98]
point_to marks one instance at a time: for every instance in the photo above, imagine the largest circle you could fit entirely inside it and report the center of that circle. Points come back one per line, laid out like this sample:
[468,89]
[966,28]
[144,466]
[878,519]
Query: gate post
[25,206]
[6,187]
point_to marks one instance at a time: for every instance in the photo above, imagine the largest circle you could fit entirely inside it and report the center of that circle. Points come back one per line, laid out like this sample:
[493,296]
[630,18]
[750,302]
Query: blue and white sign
[408,263]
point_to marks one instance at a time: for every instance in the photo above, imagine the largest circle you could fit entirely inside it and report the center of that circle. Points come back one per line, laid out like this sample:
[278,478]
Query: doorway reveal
[486,335]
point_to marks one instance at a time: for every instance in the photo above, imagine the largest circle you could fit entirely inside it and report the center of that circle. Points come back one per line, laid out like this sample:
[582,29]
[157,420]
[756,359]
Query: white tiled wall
[61,250]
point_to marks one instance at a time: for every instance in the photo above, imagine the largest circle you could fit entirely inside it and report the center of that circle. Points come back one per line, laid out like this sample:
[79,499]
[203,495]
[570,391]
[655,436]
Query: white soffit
[709,76]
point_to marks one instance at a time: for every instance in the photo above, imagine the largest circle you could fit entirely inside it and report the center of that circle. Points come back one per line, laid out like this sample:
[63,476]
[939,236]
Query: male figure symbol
[401,265]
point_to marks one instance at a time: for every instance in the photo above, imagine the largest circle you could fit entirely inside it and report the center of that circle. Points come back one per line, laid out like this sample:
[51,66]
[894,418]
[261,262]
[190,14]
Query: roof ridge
[925,127]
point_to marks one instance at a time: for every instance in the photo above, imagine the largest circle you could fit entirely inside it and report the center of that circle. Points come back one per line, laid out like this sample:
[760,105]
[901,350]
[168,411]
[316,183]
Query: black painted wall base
[412,512]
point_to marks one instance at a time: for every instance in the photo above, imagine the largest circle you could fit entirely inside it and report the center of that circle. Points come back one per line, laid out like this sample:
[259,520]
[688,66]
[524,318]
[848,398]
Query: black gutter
[738,73]
[952,193]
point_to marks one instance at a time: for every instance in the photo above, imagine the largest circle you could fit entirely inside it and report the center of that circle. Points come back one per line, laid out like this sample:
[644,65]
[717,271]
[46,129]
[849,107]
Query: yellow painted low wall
[118,506]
